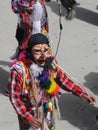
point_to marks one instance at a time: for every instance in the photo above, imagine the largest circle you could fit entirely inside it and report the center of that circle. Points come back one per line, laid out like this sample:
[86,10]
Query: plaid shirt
[17,94]
[67,84]
[22,108]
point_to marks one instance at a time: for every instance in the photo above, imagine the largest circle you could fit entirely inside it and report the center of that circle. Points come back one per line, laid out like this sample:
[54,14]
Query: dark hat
[36,39]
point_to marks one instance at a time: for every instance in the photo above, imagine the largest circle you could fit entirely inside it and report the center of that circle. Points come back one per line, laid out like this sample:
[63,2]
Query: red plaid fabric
[17,95]
[68,84]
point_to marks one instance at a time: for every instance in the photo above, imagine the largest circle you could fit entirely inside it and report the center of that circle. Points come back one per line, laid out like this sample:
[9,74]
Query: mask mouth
[41,62]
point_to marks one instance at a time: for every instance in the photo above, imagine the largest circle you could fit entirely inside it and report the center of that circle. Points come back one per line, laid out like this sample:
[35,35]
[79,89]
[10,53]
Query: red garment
[17,91]
[25,19]
[17,94]
[68,84]
[19,5]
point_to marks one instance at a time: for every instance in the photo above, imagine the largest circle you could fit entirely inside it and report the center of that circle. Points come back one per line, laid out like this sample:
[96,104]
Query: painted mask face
[40,53]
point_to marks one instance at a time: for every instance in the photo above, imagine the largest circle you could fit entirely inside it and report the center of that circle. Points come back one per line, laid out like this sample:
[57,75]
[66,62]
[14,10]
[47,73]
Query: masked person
[35,82]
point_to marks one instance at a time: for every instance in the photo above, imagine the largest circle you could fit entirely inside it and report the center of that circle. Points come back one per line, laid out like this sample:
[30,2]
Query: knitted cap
[36,39]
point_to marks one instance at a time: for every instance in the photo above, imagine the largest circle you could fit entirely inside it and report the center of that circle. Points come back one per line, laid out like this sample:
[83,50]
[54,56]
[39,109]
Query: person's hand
[90,98]
[35,123]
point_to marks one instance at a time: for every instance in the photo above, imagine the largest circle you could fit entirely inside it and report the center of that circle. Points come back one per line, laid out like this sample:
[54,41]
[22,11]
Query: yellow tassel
[54,88]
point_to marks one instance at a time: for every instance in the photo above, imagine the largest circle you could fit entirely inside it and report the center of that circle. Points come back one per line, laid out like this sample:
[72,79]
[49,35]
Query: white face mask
[36,70]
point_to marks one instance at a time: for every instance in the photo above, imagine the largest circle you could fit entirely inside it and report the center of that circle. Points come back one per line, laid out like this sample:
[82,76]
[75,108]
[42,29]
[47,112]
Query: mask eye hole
[39,51]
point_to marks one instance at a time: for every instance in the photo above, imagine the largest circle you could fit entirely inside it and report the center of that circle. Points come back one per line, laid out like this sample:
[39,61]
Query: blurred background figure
[32,18]
[69,6]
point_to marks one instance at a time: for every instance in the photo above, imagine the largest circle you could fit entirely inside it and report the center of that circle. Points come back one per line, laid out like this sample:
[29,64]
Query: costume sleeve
[15,93]
[25,3]
[20,5]
[67,84]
